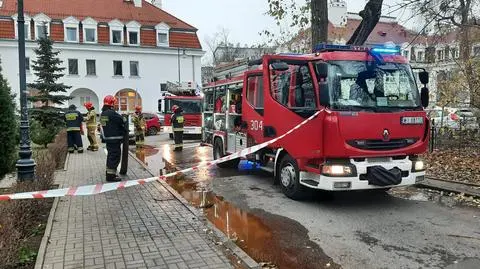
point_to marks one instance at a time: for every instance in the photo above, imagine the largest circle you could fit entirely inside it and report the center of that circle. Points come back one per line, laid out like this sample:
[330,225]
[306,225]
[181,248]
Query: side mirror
[425,96]
[321,69]
[279,66]
[424,77]
[324,95]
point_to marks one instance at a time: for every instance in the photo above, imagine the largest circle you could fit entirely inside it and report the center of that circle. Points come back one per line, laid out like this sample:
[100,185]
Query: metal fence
[446,137]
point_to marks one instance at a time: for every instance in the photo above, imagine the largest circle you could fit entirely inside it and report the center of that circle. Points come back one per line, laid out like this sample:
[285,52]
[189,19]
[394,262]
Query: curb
[450,186]
[46,236]
[243,257]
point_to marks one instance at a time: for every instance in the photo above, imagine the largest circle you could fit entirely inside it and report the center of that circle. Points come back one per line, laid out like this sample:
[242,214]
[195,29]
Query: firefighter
[140,124]
[74,120]
[113,130]
[177,125]
[91,126]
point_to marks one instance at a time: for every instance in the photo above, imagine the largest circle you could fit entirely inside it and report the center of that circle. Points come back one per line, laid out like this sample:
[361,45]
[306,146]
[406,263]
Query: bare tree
[318,19]
[462,16]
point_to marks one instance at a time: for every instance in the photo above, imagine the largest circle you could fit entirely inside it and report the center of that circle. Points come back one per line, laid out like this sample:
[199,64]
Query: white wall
[156,65]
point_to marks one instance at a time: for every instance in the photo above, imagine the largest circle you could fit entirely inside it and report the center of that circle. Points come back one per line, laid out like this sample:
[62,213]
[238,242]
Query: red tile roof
[100,10]
[182,40]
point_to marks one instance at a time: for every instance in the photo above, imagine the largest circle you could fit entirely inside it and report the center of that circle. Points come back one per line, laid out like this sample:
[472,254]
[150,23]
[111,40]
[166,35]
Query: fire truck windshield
[360,85]
[189,106]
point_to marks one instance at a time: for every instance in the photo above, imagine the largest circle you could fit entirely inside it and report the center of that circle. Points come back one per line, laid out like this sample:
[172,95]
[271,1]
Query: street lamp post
[25,165]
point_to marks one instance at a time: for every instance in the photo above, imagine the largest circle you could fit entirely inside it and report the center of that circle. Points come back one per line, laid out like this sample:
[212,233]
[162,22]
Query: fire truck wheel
[218,153]
[289,179]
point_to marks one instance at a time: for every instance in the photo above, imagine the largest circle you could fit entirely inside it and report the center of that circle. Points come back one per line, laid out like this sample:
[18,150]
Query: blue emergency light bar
[387,49]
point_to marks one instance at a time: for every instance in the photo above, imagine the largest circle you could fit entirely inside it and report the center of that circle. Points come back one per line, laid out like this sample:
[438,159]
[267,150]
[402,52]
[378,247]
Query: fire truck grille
[371,144]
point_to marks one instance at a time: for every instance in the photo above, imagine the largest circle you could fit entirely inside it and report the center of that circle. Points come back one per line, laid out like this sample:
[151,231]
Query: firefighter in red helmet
[91,122]
[140,125]
[177,126]
[113,130]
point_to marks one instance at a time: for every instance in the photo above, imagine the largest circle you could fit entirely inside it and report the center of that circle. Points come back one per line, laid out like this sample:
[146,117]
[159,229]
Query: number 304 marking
[256,125]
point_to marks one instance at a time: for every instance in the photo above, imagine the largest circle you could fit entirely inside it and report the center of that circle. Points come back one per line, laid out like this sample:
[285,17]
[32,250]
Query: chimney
[157,3]
[137,3]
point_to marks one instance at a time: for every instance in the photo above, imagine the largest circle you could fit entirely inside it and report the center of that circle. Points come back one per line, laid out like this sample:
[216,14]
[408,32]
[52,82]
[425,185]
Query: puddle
[263,236]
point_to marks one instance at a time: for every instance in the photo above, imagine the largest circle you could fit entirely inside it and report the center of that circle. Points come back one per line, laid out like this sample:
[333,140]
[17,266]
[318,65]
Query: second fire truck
[188,98]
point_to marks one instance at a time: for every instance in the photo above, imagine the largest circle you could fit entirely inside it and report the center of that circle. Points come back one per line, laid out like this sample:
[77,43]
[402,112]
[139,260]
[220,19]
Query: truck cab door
[291,96]
[253,106]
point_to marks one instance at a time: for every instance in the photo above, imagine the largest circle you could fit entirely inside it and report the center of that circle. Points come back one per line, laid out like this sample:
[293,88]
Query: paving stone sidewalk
[138,227]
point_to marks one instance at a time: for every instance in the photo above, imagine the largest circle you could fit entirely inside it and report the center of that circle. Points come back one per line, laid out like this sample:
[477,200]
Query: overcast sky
[244,19]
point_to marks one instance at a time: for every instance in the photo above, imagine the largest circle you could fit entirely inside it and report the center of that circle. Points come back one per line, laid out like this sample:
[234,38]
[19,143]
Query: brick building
[129,48]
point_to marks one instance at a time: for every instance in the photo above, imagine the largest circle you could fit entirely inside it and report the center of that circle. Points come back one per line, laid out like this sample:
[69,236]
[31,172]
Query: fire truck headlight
[418,166]
[338,170]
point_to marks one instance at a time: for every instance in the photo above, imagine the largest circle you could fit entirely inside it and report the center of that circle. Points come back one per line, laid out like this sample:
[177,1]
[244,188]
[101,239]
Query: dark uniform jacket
[113,125]
[178,121]
[74,120]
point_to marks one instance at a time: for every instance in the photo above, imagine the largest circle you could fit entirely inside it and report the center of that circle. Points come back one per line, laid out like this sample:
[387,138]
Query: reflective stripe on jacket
[73,120]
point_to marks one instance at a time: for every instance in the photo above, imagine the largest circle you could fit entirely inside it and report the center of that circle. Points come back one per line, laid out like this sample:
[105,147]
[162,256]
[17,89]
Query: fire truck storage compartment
[236,142]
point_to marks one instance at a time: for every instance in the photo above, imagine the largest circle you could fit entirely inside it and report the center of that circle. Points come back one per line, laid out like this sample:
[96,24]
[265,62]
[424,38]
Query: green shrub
[42,135]
[8,128]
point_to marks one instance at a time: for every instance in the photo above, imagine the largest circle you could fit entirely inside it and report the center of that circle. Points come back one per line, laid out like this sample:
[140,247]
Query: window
[162,38]
[117,68]
[90,35]
[476,51]
[440,54]
[27,64]
[91,68]
[420,56]
[72,34]
[255,92]
[85,99]
[116,37]
[41,31]
[72,66]
[356,85]
[406,53]
[134,69]
[133,38]
[454,52]
[293,88]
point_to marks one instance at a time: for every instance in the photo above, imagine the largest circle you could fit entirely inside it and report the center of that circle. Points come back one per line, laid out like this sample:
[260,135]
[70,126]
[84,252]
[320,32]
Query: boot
[89,148]
[113,178]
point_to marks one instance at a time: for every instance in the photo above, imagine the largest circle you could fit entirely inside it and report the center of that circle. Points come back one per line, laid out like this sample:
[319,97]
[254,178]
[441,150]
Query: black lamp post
[25,165]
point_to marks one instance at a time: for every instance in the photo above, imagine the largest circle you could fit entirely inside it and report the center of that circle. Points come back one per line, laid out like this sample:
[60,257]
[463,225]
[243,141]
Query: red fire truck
[368,134]
[187,97]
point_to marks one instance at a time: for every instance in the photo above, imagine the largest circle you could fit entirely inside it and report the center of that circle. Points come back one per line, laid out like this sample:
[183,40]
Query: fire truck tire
[170,136]
[289,178]
[218,153]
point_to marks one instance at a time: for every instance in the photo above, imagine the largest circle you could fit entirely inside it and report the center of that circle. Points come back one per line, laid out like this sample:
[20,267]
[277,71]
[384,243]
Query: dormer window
[133,36]
[42,25]
[116,32]
[162,34]
[90,30]
[70,26]
[28,34]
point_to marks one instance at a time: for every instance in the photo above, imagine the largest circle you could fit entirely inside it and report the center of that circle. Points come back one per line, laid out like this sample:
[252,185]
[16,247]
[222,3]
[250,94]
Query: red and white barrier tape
[106,187]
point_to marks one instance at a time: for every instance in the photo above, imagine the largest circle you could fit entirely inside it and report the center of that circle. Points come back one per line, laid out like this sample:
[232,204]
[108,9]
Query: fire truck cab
[370,128]
[188,98]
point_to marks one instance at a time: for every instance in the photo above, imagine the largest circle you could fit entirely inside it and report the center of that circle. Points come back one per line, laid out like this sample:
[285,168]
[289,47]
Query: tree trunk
[319,10]
[370,17]
[465,51]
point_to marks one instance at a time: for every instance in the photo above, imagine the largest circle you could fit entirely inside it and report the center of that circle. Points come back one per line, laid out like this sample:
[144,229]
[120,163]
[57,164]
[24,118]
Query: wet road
[405,228]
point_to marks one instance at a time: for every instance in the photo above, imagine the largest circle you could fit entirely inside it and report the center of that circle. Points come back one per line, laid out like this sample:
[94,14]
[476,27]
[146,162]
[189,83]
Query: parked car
[454,118]
[153,123]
